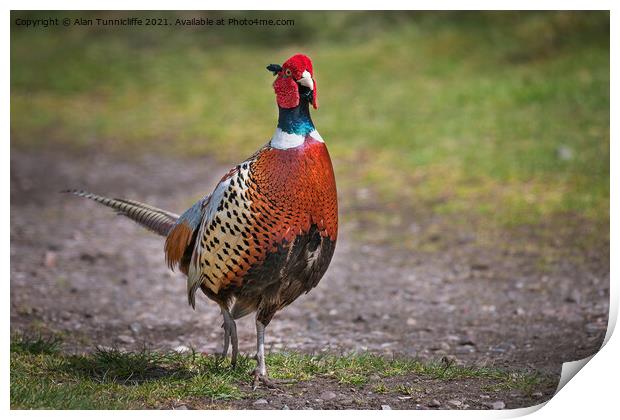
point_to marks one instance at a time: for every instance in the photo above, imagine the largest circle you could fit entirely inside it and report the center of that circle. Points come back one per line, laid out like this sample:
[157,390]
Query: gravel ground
[99,280]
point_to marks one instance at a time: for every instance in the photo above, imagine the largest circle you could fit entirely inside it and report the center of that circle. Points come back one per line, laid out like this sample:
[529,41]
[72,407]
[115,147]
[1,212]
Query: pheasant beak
[306,80]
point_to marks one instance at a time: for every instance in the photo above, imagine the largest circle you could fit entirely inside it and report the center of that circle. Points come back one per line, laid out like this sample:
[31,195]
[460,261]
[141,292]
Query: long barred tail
[152,218]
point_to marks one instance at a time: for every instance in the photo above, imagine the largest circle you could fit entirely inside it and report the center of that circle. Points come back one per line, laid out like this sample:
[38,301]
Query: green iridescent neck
[297,120]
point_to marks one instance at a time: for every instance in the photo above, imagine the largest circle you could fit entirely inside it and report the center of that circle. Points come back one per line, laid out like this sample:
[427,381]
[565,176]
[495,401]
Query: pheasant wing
[223,251]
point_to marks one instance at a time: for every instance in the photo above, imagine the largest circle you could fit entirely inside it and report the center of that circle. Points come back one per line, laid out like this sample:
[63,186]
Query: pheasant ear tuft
[274,68]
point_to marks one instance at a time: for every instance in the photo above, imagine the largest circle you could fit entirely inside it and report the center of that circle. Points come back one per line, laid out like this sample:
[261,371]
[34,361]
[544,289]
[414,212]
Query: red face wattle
[296,71]
[287,92]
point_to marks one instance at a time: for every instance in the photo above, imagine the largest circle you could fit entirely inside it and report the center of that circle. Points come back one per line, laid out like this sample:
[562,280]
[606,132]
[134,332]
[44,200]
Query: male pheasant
[267,232]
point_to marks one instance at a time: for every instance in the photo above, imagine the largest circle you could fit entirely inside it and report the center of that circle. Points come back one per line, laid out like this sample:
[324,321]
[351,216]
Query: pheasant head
[294,82]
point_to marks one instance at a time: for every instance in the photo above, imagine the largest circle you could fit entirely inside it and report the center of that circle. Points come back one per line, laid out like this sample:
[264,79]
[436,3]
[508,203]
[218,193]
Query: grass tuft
[127,367]
[35,344]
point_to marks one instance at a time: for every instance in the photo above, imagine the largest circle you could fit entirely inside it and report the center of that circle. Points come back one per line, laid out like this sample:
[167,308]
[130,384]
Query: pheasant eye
[287,72]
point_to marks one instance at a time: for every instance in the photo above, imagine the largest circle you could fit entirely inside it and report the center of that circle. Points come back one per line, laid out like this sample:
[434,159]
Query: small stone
[465,349]
[260,401]
[135,327]
[412,322]
[182,349]
[434,237]
[126,339]
[480,266]
[537,394]
[434,404]
[87,257]
[285,407]
[466,341]
[181,407]
[440,346]
[455,403]
[333,312]
[327,395]
[449,360]
[313,324]
[50,259]
[54,247]
[386,407]
[574,297]
[374,377]
[497,405]
[565,153]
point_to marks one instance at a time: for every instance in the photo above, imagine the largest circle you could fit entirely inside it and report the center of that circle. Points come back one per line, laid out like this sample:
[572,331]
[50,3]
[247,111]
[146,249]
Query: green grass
[45,377]
[114,379]
[501,115]
[36,344]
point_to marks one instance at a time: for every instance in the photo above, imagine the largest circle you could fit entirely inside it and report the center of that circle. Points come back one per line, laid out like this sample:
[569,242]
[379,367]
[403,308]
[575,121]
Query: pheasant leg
[260,373]
[231,326]
[230,334]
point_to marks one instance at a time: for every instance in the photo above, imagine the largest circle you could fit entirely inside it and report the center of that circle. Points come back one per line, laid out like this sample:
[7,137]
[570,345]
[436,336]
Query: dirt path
[100,280]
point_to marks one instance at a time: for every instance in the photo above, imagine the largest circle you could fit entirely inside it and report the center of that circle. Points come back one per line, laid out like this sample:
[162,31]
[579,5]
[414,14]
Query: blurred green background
[499,116]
